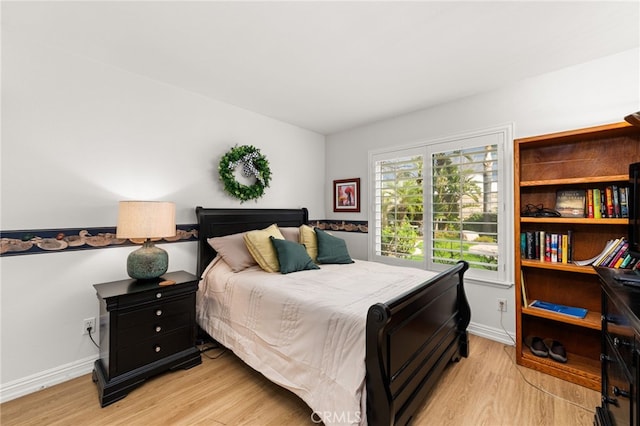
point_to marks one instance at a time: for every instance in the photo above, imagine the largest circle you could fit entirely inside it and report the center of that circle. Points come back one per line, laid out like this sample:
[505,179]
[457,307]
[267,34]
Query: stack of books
[614,255]
[547,246]
[608,202]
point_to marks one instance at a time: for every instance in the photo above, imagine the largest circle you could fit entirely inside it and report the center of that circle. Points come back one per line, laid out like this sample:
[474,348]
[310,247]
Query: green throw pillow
[292,256]
[331,249]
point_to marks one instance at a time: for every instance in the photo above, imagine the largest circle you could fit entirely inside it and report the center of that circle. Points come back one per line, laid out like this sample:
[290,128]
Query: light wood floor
[484,389]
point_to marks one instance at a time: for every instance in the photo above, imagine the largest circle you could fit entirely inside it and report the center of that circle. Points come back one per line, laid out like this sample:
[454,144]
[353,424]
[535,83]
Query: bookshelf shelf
[576,181]
[543,165]
[557,266]
[576,220]
[592,320]
[581,370]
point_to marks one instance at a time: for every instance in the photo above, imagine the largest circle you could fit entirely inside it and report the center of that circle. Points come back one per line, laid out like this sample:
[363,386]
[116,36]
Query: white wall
[77,137]
[594,93]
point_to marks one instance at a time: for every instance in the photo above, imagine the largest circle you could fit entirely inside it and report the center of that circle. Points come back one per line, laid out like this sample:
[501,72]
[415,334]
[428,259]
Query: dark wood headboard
[220,222]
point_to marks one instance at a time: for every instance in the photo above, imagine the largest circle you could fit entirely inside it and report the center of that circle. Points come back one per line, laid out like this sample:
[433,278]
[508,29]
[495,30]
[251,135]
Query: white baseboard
[45,379]
[497,334]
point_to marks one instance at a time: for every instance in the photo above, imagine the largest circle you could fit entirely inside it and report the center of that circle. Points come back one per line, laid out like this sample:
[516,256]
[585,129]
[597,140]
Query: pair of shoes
[538,211]
[547,347]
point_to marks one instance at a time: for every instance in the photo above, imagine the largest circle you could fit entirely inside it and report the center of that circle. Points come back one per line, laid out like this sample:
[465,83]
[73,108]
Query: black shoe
[556,350]
[537,346]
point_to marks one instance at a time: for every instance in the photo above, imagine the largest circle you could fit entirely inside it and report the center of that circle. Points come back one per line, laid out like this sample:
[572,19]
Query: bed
[403,341]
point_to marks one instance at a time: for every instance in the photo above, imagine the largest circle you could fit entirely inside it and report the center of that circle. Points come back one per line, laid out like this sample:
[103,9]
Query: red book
[547,247]
[609,199]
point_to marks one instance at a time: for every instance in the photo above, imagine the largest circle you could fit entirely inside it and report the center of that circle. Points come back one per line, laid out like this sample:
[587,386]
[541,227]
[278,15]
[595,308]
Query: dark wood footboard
[409,342]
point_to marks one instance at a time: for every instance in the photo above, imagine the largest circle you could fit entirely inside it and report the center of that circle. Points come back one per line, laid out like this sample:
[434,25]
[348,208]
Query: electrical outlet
[502,305]
[89,323]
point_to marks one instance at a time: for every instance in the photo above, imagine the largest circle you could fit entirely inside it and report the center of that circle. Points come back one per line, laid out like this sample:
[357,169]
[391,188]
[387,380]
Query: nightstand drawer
[153,320]
[160,326]
[158,295]
[153,349]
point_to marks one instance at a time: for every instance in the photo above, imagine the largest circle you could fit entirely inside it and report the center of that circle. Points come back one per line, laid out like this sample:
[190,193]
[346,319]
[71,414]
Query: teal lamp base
[148,262]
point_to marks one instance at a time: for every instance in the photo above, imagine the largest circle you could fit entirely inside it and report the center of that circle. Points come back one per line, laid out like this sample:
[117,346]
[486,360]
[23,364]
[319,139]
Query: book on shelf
[564,245]
[547,246]
[628,261]
[589,202]
[559,309]
[590,261]
[607,257]
[624,203]
[616,200]
[613,257]
[530,246]
[525,302]
[570,202]
[597,203]
[554,247]
[611,201]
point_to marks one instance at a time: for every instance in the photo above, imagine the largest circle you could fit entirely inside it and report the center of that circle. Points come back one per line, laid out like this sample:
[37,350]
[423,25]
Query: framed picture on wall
[346,195]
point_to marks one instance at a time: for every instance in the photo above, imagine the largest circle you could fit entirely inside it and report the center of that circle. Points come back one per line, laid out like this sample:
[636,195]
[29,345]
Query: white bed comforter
[304,331]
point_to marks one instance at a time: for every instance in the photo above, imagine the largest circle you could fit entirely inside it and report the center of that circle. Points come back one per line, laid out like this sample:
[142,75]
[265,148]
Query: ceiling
[328,66]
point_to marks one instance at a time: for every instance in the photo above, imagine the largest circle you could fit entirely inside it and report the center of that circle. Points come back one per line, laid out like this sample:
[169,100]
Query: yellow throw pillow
[261,248]
[310,241]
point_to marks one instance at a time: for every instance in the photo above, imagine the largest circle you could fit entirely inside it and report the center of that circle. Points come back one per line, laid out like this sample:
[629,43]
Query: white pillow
[233,250]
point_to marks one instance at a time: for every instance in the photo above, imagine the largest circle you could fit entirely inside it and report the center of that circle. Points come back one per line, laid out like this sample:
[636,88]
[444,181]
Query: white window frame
[381,156]
[502,136]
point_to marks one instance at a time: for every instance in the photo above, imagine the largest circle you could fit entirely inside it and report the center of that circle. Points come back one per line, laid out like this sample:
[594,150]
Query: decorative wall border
[37,241]
[342,225]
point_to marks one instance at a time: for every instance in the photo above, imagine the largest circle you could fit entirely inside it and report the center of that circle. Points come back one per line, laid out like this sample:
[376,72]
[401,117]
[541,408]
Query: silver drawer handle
[617,342]
[158,295]
[158,329]
[159,312]
[157,348]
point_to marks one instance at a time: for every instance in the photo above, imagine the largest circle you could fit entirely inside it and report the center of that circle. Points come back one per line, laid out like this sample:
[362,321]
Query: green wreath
[253,164]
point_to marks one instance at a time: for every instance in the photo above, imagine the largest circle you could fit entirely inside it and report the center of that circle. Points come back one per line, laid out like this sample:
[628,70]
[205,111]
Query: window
[442,201]
[399,206]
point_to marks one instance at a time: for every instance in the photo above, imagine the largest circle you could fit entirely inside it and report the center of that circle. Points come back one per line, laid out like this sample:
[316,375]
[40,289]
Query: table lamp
[146,220]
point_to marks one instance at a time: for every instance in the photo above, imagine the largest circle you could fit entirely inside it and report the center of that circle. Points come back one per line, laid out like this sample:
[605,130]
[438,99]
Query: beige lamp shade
[146,219]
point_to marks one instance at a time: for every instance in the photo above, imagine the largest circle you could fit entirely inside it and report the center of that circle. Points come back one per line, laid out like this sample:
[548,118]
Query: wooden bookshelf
[579,159]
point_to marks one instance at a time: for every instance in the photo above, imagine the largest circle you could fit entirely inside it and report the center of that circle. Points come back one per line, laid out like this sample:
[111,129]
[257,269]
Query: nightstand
[145,329]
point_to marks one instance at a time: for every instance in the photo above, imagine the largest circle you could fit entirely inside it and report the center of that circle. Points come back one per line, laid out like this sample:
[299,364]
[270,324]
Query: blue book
[560,309]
